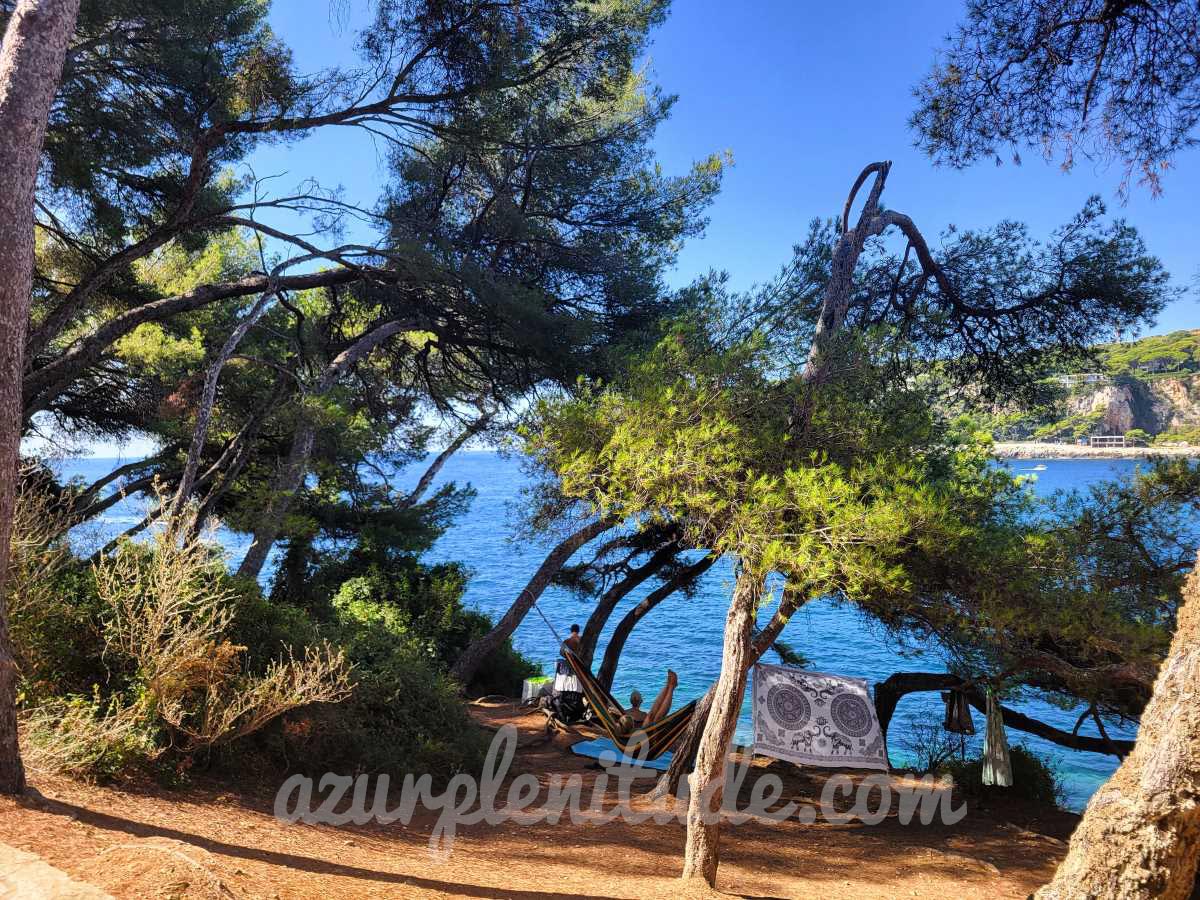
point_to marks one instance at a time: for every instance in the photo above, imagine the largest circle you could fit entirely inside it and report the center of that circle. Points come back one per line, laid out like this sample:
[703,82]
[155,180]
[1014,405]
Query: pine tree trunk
[701,854]
[1140,834]
[616,643]
[31,60]
[208,399]
[291,477]
[608,603]
[684,757]
[283,489]
[480,649]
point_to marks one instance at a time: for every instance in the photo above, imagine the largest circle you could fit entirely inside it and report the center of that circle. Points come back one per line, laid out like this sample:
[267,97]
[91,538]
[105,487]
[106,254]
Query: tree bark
[684,755]
[283,489]
[472,658]
[835,301]
[439,461]
[1140,834]
[43,384]
[237,454]
[616,644]
[31,60]
[701,850]
[87,497]
[290,479]
[208,399]
[889,692]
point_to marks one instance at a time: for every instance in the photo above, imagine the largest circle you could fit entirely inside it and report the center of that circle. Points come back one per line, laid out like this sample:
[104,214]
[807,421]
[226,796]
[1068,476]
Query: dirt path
[208,841]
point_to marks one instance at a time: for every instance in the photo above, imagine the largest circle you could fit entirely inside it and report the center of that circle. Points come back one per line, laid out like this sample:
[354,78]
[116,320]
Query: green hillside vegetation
[1160,354]
[1132,363]
[1179,435]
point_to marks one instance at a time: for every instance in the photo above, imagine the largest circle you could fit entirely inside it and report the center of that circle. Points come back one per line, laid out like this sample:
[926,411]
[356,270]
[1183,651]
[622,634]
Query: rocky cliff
[1152,404]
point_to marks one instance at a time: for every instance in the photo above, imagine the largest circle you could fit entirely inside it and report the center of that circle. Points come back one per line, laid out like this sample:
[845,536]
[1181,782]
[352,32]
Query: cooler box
[534,687]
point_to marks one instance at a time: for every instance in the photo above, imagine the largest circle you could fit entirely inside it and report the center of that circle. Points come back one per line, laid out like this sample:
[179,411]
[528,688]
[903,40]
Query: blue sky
[803,95]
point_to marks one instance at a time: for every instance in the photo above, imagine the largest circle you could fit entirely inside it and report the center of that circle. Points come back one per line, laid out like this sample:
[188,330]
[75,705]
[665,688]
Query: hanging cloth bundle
[997,767]
[958,713]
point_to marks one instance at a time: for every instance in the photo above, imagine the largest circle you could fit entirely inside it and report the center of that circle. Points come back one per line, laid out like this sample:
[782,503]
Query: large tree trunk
[289,480]
[707,780]
[208,399]
[1140,834]
[684,756]
[616,644]
[480,649]
[31,60]
[835,301]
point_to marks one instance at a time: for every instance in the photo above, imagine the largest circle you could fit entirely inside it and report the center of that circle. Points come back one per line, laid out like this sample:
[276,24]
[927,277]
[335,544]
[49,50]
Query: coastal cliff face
[1176,401]
[1116,401]
[1153,405]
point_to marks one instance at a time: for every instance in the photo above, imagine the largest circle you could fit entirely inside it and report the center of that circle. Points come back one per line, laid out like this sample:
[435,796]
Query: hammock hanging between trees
[644,743]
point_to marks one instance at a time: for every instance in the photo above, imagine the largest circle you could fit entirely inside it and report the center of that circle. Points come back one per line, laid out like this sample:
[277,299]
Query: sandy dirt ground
[209,840]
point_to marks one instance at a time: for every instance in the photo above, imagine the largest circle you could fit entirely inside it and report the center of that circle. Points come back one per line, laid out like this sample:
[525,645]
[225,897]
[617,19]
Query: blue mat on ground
[601,745]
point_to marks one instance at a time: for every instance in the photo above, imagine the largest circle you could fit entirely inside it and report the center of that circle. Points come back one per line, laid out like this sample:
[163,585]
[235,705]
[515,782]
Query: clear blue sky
[804,95]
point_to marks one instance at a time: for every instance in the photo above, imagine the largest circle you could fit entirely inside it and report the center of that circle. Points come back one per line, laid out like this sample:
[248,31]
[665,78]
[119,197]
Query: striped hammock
[649,742]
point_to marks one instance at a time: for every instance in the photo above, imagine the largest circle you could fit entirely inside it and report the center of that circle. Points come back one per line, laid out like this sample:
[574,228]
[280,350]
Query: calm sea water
[685,634]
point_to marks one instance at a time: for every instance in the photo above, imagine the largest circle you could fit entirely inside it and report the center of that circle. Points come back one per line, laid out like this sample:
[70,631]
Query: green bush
[1034,778]
[424,604]
[1190,435]
[60,644]
[158,660]
[404,714]
[268,628]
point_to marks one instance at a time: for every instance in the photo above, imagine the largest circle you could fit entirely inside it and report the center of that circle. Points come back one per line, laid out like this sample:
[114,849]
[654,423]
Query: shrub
[1034,777]
[404,715]
[1190,435]
[173,682]
[928,747]
[141,661]
[169,608]
[87,738]
[424,603]
[267,628]
[59,645]
[52,604]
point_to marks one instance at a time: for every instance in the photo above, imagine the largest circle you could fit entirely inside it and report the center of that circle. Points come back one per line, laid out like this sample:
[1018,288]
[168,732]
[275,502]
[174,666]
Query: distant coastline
[1038,450]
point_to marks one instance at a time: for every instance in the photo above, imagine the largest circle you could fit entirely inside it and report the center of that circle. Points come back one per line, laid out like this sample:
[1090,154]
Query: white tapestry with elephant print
[815,719]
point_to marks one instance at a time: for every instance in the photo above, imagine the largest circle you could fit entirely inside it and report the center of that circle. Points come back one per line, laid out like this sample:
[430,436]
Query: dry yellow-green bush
[169,608]
[85,738]
[38,557]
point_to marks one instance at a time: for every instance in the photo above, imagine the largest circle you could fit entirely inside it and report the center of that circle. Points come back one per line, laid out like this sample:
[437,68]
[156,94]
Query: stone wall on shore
[1040,450]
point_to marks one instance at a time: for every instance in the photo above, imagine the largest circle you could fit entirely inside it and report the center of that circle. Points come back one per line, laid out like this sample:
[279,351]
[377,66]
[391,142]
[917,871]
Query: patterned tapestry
[816,719]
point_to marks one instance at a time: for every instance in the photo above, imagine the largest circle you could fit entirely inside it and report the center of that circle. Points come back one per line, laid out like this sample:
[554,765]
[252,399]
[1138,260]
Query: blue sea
[681,633]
